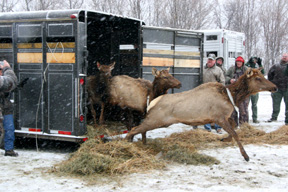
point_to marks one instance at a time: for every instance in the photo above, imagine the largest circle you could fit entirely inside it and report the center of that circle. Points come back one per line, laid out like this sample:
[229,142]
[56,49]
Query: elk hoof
[227,139]
[246,158]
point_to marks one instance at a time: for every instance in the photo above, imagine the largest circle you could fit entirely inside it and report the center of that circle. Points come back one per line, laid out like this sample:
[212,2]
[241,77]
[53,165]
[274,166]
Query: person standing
[277,75]
[220,63]
[8,82]
[212,73]
[232,75]
[255,62]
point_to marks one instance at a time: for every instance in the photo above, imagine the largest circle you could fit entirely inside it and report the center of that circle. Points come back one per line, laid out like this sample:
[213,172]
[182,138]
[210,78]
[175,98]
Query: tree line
[264,22]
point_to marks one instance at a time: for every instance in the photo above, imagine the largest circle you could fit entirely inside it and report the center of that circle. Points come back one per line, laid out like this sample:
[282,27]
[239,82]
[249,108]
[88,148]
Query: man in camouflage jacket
[232,75]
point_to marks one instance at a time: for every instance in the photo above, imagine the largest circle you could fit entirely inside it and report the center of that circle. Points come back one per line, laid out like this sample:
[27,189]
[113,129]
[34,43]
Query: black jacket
[277,75]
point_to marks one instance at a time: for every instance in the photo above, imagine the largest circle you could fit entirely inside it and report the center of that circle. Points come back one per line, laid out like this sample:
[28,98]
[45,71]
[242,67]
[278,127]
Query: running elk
[208,103]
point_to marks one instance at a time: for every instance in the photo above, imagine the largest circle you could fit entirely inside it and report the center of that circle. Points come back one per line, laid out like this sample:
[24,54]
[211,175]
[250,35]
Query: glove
[259,61]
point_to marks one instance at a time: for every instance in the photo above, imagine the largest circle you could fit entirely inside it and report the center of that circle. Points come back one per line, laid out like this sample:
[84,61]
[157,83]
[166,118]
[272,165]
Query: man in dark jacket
[255,62]
[277,75]
[8,82]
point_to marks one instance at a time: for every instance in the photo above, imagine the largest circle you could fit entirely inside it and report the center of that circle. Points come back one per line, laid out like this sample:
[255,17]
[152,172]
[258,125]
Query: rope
[42,87]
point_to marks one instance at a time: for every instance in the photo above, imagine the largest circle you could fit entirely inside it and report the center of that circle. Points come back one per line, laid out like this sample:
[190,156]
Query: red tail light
[81,118]
[73,16]
[82,81]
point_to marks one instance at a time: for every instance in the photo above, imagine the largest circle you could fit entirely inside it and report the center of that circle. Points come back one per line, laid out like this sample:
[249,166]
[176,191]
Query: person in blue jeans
[213,73]
[8,82]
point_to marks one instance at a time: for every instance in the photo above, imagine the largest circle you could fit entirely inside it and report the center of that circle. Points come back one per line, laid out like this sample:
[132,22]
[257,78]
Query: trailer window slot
[60,30]
[5,31]
[30,30]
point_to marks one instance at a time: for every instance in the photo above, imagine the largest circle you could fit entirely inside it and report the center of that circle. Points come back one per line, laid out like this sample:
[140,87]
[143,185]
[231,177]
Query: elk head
[165,78]
[257,82]
[106,69]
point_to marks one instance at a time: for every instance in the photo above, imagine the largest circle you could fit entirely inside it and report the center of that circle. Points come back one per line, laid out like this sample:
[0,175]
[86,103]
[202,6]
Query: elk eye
[258,78]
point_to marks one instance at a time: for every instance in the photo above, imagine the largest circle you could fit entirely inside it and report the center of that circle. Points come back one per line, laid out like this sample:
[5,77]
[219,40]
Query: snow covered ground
[267,169]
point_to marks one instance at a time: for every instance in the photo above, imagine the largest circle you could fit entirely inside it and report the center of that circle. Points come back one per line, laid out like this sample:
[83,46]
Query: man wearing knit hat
[232,75]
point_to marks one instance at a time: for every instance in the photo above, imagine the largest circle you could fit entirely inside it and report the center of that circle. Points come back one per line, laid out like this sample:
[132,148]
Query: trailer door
[188,60]
[46,56]
[29,65]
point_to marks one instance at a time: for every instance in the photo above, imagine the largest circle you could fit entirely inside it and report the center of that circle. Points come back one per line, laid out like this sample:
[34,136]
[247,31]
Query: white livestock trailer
[225,43]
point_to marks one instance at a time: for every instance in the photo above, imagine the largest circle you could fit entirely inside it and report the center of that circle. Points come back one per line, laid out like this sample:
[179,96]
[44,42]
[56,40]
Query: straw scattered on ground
[120,157]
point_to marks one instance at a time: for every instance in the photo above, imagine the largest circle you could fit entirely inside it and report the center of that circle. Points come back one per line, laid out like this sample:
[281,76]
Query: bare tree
[27,5]
[218,13]
[242,16]
[187,14]
[274,20]
[7,5]
[74,4]
[37,5]
[110,6]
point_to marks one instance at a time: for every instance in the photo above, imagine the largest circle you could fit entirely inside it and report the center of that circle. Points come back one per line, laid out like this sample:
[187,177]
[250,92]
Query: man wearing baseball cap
[212,73]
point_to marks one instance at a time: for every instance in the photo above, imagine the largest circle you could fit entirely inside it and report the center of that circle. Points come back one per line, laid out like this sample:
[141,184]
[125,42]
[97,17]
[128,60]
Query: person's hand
[232,81]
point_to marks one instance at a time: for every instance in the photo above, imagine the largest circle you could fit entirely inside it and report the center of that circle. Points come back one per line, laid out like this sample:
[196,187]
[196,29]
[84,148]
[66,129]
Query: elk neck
[158,88]
[239,90]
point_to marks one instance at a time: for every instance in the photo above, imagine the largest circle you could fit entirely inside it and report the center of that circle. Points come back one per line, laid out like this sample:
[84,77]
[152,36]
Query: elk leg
[227,127]
[142,128]
[101,118]
[227,139]
[144,141]
[93,113]
[233,125]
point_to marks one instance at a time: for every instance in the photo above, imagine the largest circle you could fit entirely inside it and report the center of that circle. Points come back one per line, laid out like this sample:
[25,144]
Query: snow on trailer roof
[219,31]
[51,15]
[198,32]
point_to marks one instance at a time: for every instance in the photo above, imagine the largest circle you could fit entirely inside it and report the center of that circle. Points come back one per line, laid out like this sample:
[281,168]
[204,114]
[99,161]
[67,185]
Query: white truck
[225,43]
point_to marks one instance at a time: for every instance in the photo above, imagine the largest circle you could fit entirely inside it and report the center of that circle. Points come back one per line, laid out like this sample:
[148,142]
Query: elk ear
[249,72]
[98,65]
[168,69]
[112,65]
[155,72]
[260,68]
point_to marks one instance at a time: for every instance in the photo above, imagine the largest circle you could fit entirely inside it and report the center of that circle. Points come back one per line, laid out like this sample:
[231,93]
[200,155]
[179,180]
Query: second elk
[131,94]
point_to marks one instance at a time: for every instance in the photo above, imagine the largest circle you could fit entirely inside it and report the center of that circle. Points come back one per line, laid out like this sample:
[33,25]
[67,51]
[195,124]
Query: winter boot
[11,153]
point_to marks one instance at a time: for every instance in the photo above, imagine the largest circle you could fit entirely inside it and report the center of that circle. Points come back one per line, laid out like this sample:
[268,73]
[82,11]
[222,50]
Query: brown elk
[208,103]
[131,93]
[98,90]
